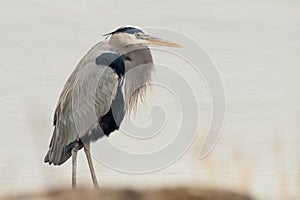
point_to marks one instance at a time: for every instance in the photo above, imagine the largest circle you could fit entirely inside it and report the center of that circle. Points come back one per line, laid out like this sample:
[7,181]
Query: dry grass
[178,193]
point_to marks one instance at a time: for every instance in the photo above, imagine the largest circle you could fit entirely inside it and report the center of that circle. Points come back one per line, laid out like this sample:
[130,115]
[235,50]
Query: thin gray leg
[74,162]
[89,158]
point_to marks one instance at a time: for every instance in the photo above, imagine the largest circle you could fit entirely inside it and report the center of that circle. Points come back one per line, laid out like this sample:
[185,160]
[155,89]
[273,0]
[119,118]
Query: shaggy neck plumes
[138,70]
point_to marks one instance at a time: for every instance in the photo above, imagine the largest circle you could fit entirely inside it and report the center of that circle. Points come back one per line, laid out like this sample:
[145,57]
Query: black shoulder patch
[115,61]
[130,30]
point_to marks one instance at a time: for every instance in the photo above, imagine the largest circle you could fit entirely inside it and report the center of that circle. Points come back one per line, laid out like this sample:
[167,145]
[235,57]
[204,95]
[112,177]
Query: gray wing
[86,97]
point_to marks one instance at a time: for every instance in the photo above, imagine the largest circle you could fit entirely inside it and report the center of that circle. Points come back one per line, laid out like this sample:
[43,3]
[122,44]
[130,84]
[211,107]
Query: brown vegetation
[179,193]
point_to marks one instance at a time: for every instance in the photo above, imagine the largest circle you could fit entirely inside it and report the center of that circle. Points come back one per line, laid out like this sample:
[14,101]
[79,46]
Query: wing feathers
[86,97]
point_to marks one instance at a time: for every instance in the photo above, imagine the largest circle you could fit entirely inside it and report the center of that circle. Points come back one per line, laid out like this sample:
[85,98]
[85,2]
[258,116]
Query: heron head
[134,35]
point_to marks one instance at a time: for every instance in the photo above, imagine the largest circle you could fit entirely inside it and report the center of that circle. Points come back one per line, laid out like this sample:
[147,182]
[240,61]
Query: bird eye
[139,35]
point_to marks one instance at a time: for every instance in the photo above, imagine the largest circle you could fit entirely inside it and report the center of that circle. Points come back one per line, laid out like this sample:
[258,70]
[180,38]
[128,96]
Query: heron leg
[90,162]
[74,162]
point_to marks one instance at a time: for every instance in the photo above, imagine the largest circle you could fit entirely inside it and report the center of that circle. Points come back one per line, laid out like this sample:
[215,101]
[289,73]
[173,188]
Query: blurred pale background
[255,44]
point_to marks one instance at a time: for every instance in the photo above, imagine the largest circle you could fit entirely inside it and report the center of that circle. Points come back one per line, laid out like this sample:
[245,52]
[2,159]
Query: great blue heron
[99,92]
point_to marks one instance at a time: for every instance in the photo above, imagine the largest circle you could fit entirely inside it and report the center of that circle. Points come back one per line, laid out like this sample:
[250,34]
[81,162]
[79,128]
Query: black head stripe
[130,30]
[116,62]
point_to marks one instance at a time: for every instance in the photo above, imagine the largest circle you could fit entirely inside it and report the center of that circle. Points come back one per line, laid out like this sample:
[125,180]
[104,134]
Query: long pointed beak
[152,40]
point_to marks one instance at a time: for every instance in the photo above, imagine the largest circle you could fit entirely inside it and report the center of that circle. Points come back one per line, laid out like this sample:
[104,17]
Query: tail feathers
[46,159]
[65,154]
[59,151]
